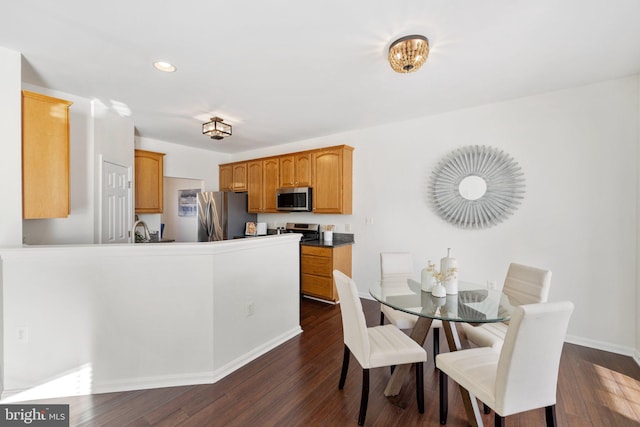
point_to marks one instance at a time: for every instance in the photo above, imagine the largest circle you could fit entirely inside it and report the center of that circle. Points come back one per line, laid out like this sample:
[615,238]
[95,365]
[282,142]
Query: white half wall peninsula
[102,318]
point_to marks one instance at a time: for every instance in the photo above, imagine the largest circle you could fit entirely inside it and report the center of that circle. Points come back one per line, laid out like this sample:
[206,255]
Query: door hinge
[129,184]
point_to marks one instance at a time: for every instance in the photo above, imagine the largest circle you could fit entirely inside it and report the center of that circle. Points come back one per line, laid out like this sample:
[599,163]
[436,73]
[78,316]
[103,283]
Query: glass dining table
[473,304]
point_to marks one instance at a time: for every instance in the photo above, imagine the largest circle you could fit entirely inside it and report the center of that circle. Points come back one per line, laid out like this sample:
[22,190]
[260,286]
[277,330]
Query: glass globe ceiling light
[407,54]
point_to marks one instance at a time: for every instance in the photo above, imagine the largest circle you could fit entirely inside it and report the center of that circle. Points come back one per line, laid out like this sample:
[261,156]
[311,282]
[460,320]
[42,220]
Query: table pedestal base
[419,335]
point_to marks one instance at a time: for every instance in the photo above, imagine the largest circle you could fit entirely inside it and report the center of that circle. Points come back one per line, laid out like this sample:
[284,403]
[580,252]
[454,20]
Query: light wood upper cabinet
[262,182]
[327,170]
[45,156]
[240,176]
[149,175]
[254,186]
[295,170]
[226,177]
[333,182]
[270,176]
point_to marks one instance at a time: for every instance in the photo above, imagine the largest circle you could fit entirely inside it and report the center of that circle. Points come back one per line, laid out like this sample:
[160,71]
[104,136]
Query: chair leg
[444,398]
[420,386]
[550,414]
[487,410]
[345,367]
[381,318]
[364,400]
[436,342]
[499,421]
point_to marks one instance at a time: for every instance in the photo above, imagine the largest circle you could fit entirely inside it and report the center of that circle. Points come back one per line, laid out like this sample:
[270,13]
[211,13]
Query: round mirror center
[472,187]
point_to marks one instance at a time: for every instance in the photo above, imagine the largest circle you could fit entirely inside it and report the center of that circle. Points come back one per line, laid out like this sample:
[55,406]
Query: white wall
[104,318]
[637,347]
[187,162]
[578,151]
[10,148]
[179,228]
[78,226]
[113,135]
[96,132]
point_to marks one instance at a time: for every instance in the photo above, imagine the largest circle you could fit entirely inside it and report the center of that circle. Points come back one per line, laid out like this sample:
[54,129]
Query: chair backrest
[527,372]
[395,265]
[526,285]
[354,325]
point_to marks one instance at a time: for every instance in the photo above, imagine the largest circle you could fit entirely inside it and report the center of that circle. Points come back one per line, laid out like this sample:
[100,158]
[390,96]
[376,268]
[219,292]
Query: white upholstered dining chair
[373,347]
[399,265]
[523,375]
[523,285]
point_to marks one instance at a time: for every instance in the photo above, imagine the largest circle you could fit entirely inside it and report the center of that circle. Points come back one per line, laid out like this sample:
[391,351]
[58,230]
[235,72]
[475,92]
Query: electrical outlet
[347,228]
[23,335]
[250,309]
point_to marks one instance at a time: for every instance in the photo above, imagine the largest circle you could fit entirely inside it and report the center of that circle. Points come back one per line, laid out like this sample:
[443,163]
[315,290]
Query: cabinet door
[270,176]
[239,177]
[287,172]
[149,175]
[225,173]
[332,181]
[295,170]
[303,169]
[45,156]
[327,191]
[255,186]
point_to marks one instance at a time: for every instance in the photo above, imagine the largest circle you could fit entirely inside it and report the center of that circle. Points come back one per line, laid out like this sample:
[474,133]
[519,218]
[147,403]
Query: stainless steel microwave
[294,199]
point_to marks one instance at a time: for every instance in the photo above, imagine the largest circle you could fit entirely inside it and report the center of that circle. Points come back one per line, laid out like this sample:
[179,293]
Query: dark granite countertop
[339,239]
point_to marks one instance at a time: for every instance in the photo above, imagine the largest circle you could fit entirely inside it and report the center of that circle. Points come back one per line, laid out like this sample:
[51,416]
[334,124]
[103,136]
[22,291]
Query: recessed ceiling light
[167,67]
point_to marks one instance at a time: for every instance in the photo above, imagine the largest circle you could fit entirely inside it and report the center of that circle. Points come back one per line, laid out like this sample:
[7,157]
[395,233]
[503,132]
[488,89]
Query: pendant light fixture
[407,54]
[216,128]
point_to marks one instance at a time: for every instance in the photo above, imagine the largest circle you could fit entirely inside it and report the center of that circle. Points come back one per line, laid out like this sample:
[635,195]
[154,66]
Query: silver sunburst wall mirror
[476,187]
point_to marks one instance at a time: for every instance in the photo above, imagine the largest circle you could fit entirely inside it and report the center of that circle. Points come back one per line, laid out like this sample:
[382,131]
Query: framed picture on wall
[188,202]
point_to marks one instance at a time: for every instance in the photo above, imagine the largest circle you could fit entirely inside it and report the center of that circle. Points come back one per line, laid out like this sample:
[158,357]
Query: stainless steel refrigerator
[222,215]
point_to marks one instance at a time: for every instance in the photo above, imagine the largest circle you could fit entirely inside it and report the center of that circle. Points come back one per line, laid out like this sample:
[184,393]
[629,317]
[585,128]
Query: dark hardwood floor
[297,385]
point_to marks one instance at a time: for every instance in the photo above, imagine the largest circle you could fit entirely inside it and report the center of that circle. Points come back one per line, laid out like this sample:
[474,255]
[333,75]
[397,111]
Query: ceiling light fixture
[167,67]
[216,128]
[407,54]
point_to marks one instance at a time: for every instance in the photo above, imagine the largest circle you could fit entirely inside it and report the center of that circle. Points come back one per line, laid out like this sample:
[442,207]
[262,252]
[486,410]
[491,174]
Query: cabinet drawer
[316,251]
[317,286]
[316,265]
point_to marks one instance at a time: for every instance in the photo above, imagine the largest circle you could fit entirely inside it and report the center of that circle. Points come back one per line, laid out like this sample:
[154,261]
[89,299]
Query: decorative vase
[449,270]
[438,290]
[426,277]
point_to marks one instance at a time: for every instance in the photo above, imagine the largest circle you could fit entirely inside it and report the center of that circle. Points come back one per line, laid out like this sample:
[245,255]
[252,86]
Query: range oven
[308,231]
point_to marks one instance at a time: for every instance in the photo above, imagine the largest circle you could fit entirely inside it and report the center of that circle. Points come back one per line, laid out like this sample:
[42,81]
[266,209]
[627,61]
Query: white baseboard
[239,362]
[52,389]
[600,345]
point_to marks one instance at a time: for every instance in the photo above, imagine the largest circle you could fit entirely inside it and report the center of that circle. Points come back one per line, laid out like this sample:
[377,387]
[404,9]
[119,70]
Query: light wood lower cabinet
[316,269]
[45,156]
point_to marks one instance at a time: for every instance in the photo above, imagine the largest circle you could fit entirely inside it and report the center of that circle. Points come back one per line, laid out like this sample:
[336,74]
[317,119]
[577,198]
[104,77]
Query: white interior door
[115,203]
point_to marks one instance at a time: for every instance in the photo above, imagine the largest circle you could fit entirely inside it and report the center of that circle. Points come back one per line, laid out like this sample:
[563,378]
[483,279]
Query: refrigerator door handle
[209,221]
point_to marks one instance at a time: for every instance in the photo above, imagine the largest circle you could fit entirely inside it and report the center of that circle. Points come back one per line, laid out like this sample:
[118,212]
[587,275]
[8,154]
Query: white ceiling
[283,71]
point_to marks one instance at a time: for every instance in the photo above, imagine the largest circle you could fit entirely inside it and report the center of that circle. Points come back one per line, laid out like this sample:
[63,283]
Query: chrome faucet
[145,237]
